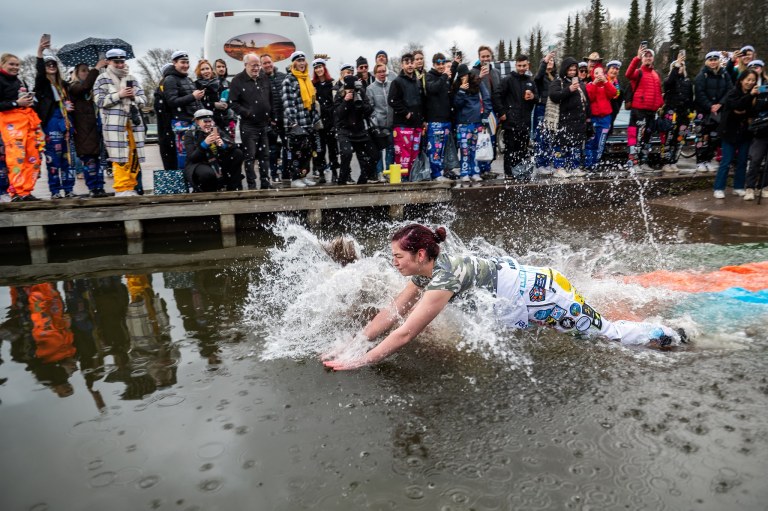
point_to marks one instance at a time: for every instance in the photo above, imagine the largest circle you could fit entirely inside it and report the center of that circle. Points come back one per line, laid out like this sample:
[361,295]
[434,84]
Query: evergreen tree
[646,30]
[693,34]
[531,45]
[598,26]
[518,49]
[510,55]
[501,52]
[568,44]
[632,34]
[677,24]
[538,53]
[578,46]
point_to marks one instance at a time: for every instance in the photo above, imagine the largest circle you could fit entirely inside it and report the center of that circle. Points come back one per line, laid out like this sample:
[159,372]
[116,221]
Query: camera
[130,83]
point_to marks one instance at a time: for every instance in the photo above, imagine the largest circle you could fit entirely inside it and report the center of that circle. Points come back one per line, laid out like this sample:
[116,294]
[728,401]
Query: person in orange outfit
[20,130]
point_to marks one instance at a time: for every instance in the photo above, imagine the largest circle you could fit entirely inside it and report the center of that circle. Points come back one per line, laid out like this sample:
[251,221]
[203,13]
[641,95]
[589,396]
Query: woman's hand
[345,365]
[198,94]
[755,90]
[464,86]
[220,105]
[25,101]
[125,92]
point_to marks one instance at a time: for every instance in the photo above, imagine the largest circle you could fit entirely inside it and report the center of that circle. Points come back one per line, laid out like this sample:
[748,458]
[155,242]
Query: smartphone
[644,44]
[762,89]
[459,54]
[130,83]
[46,38]
[575,79]
[681,54]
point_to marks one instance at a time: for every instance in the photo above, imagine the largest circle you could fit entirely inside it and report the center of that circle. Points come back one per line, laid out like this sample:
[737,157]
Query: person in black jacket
[166,139]
[544,76]
[55,110]
[207,81]
[406,97]
[711,86]
[213,160]
[352,110]
[734,132]
[678,105]
[250,96]
[571,95]
[514,102]
[278,145]
[438,110]
[327,143]
[758,150]
[182,100]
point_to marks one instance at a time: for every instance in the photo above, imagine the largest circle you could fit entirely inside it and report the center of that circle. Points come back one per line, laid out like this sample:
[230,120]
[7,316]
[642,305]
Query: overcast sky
[341,28]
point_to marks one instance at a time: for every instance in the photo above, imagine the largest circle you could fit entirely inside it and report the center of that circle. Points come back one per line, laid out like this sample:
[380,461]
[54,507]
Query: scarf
[119,78]
[306,87]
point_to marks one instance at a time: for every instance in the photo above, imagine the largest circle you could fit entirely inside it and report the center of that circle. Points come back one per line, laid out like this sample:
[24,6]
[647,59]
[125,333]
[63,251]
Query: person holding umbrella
[87,133]
[55,108]
[117,95]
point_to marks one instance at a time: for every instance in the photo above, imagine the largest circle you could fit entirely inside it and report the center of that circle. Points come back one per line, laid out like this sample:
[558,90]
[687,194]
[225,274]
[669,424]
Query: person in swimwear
[525,295]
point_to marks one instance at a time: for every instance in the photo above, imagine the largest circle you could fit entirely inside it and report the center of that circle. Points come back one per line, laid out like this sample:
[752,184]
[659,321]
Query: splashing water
[303,304]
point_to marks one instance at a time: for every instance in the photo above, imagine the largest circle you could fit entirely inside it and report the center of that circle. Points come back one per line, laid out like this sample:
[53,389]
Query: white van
[231,34]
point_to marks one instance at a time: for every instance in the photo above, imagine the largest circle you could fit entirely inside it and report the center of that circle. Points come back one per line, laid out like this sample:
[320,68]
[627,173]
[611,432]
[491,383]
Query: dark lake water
[196,384]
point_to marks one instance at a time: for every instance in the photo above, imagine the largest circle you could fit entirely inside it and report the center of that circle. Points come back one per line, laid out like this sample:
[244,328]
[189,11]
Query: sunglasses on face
[362,67]
[51,64]
[440,61]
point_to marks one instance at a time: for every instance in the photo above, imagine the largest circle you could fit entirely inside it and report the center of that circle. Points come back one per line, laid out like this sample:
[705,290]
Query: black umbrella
[89,50]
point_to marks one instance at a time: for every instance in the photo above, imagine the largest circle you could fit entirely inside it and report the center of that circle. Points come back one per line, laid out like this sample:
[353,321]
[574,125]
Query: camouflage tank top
[458,274]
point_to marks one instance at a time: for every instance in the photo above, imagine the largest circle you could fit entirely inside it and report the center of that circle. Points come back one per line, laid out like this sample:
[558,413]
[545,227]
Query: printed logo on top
[276,46]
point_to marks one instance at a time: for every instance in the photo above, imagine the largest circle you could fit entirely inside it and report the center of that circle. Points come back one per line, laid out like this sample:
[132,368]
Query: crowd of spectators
[303,124]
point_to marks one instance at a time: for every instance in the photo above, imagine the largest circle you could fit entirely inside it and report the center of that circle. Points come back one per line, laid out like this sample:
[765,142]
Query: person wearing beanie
[710,89]
[406,97]
[570,133]
[678,106]
[300,117]
[439,112]
[363,72]
[383,58]
[600,91]
[647,98]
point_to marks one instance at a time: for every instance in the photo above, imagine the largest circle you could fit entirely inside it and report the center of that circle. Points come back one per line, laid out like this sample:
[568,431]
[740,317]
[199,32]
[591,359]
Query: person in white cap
[55,109]
[116,93]
[213,160]
[646,100]
[182,99]
[759,66]
[300,117]
[758,150]
[710,88]
[738,62]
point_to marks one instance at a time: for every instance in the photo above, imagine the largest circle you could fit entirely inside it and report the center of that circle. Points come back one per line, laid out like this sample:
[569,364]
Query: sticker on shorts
[540,281]
[542,314]
[575,309]
[597,321]
[537,294]
[588,311]
[583,324]
[558,313]
[567,323]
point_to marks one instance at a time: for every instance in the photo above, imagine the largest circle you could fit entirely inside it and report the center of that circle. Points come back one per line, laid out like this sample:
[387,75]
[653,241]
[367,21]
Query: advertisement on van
[230,35]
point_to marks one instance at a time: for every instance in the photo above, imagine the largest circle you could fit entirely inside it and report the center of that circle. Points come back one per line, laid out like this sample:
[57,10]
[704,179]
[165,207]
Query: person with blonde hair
[21,137]
[300,117]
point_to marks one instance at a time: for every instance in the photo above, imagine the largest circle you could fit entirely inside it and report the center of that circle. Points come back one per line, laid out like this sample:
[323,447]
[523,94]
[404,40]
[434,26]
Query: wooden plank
[36,235]
[227,223]
[133,229]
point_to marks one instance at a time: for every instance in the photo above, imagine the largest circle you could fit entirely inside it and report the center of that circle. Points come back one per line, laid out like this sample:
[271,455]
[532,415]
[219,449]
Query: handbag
[759,123]
[552,115]
[484,148]
[450,154]
[169,182]
[420,169]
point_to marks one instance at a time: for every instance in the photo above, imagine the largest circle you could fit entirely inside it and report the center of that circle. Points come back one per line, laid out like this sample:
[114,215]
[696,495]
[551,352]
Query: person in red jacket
[600,92]
[646,100]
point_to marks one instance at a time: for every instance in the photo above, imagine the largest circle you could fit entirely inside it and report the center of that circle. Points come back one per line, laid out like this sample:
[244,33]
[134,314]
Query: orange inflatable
[751,276]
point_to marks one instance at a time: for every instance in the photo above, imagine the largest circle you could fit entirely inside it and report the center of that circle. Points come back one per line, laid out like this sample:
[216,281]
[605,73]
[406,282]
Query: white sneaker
[307,182]
[545,171]
[741,192]
[719,194]
[465,179]
[645,169]
[383,179]
[476,178]
[298,183]
[126,193]
[749,194]
[686,170]
[764,193]
[710,168]
[702,168]
[5,198]
[669,169]
[442,179]
[561,174]
[578,173]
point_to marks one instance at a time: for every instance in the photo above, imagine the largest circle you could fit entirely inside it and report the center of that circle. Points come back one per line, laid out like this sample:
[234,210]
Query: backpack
[630,92]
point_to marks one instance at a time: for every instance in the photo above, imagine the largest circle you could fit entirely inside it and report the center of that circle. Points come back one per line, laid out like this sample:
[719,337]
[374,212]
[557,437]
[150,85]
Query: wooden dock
[32,221]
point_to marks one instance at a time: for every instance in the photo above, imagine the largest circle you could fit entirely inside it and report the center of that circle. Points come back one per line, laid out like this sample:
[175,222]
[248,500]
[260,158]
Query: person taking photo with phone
[570,94]
[213,159]
[183,100]
[678,107]
[20,146]
[647,98]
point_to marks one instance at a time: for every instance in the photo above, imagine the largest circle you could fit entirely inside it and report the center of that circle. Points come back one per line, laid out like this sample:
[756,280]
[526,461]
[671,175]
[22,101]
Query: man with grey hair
[250,96]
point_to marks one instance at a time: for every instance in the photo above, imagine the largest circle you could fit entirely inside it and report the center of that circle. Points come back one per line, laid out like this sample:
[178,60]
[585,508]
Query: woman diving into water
[524,296]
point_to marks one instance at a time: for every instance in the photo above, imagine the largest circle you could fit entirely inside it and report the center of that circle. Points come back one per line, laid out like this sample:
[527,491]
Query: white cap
[318,62]
[203,113]
[346,66]
[712,55]
[748,48]
[298,55]
[583,64]
[615,63]
[756,62]
[49,58]
[648,50]
[179,55]
[115,53]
